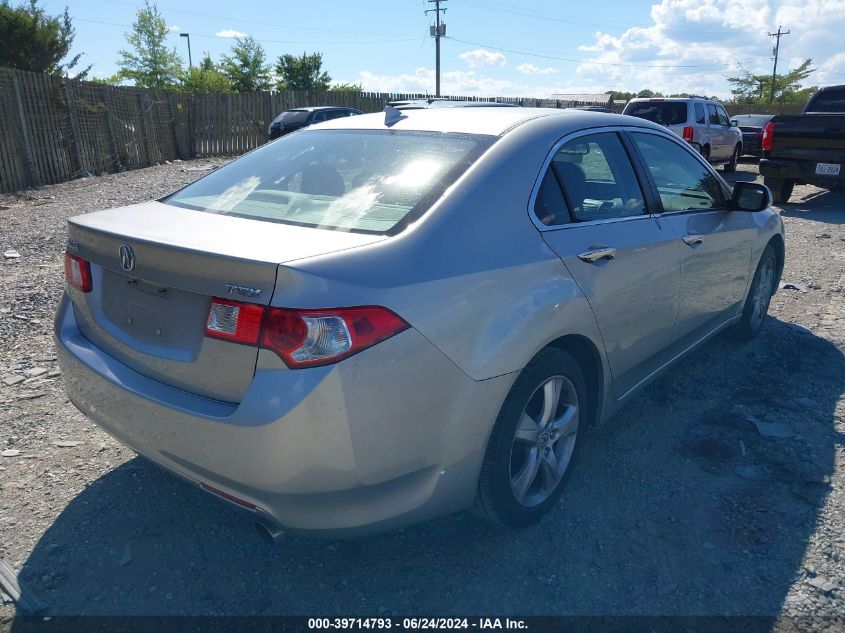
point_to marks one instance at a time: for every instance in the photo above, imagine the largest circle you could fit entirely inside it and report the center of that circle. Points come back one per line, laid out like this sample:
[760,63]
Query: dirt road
[678,506]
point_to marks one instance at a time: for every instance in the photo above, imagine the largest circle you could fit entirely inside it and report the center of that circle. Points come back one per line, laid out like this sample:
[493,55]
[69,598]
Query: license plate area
[827,169]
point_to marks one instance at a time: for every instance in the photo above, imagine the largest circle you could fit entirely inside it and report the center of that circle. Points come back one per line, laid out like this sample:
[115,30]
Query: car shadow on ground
[677,506]
[822,206]
[746,171]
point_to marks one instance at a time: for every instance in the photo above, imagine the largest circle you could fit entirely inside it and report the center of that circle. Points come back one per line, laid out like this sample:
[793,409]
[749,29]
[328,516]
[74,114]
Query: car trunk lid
[155,270]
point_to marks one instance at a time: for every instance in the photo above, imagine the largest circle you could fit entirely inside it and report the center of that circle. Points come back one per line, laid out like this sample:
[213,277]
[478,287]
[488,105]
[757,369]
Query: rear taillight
[768,135]
[688,134]
[234,321]
[305,338]
[302,338]
[78,273]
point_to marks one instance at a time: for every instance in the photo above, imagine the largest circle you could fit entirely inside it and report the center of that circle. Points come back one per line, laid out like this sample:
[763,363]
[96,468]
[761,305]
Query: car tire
[705,152]
[759,295]
[730,166]
[781,189]
[532,434]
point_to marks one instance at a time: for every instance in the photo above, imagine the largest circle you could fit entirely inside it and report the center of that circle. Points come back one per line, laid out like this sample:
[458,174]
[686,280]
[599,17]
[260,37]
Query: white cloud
[456,82]
[707,40]
[531,69]
[481,57]
[230,33]
[173,28]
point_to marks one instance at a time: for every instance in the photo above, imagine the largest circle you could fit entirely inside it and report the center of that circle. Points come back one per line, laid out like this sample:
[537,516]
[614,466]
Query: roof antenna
[393,115]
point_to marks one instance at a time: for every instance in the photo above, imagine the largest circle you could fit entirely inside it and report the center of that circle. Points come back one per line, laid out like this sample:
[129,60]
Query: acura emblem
[127,257]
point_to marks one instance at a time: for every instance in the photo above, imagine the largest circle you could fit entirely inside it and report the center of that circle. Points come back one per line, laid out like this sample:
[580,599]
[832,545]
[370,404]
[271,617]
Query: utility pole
[437,31]
[776,51]
[188,35]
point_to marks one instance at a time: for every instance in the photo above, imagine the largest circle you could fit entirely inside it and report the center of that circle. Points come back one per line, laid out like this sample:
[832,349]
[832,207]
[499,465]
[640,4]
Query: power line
[590,61]
[265,41]
[550,16]
[245,21]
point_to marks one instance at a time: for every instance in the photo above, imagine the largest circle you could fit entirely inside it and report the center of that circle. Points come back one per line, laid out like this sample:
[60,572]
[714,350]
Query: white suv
[702,123]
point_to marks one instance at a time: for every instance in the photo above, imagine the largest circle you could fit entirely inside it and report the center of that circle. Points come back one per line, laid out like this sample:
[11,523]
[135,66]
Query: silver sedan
[389,317]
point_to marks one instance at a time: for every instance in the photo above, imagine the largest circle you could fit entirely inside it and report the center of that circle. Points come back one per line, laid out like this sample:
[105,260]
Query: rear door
[591,210]
[715,243]
[717,133]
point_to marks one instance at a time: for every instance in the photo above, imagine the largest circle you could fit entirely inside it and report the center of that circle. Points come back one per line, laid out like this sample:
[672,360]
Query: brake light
[688,134]
[768,135]
[78,272]
[234,321]
[307,338]
[302,338]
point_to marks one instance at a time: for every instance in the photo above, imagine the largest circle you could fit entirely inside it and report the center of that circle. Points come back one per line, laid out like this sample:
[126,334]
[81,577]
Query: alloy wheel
[544,441]
[762,291]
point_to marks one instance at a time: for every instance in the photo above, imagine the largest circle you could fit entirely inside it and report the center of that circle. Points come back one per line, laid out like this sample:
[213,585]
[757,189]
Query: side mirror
[749,196]
[734,123]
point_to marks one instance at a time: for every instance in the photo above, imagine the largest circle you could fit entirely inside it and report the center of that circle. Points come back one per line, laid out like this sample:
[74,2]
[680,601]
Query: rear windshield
[752,120]
[830,100]
[293,116]
[662,112]
[368,181]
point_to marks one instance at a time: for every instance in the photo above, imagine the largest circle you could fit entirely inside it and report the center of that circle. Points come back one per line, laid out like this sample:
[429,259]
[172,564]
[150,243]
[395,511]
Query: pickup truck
[808,148]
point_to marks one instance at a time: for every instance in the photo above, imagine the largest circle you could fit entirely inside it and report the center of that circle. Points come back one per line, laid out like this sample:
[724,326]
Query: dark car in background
[298,118]
[752,126]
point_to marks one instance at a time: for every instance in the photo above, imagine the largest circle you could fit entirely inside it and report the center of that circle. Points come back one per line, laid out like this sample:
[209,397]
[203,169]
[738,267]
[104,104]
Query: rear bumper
[799,171]
[391,436]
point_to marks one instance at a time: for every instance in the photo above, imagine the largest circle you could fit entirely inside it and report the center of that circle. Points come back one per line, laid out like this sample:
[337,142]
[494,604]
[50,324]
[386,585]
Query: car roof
[315,108]
[671,99]
[412,104]
[490,121]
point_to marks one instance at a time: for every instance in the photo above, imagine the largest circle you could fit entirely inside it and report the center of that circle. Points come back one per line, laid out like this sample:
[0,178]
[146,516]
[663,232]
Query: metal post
[188,35]
[775,69]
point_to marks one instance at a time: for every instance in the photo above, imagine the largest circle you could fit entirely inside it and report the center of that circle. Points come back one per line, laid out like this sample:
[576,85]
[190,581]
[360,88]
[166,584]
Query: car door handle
[693,239]
[595,254]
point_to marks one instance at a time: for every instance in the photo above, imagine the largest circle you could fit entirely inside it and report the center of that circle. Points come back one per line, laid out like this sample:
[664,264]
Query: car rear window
[293,116]
[368,181]
[829,100]
[752,120]
[662,112]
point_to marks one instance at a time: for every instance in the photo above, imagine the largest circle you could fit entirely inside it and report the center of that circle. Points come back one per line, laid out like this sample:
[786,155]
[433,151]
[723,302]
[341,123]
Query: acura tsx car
[385,318]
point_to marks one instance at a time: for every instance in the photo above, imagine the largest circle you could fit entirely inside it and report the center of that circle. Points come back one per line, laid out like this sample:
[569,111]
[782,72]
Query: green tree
[750,88]
[150,63]
[347,88]
[246,67]
[204,78]
[32,40]
[648,93]
[302,73]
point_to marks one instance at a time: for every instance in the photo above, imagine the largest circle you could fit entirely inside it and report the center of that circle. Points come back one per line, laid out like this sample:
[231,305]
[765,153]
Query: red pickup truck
[808,148]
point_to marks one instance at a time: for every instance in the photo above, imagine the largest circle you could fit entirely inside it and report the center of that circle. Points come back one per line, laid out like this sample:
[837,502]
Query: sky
[497,48]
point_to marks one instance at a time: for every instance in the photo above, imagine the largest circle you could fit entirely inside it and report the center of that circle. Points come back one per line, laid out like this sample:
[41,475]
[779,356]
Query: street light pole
[188,35]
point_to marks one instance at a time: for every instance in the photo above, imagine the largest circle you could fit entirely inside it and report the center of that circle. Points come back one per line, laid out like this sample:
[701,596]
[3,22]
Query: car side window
[319,117]
[699,114]
[596,181]
[683,183]
[712,114]
[723,116]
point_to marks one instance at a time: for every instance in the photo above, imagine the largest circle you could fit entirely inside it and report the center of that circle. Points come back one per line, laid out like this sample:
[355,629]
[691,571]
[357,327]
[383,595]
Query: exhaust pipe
[269,534]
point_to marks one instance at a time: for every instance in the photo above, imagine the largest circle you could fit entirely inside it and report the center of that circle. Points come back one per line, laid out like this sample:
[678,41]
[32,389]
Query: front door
[715,243]
[592,212]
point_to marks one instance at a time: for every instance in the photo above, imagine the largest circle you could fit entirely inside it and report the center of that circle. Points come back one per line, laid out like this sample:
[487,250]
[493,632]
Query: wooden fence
[54,129]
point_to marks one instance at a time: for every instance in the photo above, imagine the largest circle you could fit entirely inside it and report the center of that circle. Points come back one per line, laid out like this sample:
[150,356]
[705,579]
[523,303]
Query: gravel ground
[678,506]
